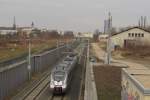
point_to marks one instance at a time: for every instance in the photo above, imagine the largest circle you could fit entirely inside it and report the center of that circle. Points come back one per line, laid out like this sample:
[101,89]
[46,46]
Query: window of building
[142,35]
[135,34]
[139,35]
[132,34]
[129,34]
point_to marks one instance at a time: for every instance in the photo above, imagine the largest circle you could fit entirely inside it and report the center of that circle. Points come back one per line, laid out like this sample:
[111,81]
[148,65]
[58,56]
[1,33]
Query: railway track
[39,89]
[29,89]
[35,92]
[57,97]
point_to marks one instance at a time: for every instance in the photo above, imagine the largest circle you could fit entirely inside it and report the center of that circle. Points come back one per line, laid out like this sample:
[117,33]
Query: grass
[13,51]
[108,82]
[140,53]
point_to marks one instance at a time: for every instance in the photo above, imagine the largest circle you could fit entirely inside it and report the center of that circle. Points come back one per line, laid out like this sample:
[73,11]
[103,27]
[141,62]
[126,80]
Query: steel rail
[36,86]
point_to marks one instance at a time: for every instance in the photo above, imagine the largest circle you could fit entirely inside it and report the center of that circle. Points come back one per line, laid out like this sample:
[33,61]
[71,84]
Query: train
[61,75]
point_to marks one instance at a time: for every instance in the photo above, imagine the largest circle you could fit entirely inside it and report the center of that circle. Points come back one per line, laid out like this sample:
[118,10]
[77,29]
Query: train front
[58,82]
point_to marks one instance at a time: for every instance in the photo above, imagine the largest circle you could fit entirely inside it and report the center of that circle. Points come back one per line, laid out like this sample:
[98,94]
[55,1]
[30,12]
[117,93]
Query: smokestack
[104,25]
[111,22]
[142,22]
[14,23]
[145,22]
[139,23]
[32,24]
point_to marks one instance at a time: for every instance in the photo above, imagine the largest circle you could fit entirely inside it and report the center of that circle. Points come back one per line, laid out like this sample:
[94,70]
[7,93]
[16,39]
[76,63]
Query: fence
[14,75]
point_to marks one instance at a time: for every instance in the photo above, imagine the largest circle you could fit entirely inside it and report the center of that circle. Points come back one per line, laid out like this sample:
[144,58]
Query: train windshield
[72,55]
[68,59]
[59,75]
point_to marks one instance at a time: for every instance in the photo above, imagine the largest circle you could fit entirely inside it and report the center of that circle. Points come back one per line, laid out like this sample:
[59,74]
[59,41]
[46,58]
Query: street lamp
[108,54]
[58,48]
[29,57]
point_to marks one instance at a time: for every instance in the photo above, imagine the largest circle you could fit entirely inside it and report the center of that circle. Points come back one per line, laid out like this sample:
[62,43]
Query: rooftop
[136,27]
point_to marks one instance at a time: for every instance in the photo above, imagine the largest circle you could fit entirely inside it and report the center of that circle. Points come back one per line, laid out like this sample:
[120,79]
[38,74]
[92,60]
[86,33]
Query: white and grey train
[61,75]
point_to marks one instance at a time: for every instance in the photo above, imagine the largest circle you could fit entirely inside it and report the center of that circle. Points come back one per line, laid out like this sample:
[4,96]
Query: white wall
[5,32]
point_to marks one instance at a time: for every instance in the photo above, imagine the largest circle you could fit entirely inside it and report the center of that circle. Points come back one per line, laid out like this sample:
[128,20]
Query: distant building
[103,36]
[44,30]
[25,30]
[131,36]
[84,35]
[7,30]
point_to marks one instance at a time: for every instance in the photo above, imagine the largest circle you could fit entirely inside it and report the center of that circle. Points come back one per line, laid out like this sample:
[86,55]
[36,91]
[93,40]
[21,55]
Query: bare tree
[96,35]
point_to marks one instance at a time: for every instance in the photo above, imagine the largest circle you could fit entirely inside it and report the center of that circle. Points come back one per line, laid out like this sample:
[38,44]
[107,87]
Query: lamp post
[58,48]
[108,55]
[29,51]
[29,57]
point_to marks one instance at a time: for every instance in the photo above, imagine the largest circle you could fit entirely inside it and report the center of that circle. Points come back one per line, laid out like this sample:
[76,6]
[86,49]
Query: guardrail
[16,74]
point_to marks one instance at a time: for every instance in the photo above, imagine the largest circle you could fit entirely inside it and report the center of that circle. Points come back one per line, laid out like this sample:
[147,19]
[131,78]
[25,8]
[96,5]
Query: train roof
[59,75]
[66,65]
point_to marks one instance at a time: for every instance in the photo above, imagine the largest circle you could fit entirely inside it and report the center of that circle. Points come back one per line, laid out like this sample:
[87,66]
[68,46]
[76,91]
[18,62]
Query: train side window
[142,35]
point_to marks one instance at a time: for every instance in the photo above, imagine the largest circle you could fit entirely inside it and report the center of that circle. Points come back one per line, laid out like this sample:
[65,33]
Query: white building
[134,34]
[84,35]
[7,30]
[26,30]
[103,37]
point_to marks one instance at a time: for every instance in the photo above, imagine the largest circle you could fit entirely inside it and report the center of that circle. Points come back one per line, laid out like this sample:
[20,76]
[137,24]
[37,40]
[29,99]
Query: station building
[134,35]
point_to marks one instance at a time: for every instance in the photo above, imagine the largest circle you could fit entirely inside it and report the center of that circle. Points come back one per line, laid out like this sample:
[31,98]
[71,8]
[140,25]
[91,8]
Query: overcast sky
[77,15]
